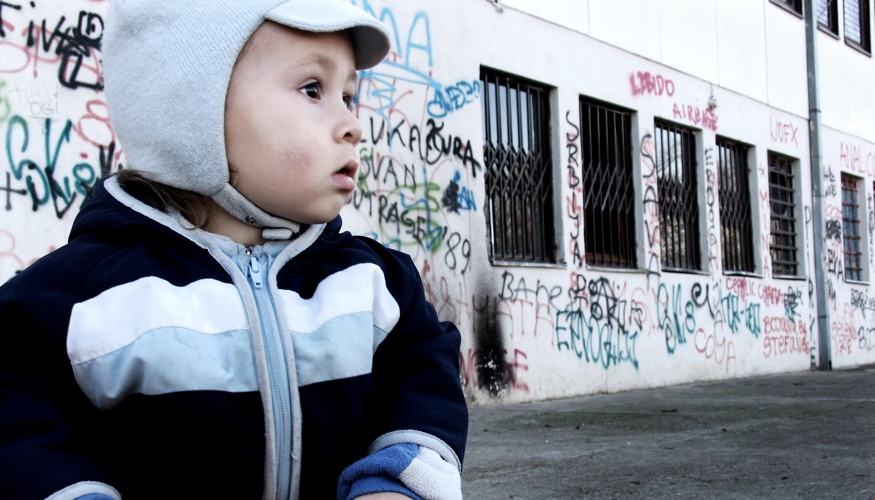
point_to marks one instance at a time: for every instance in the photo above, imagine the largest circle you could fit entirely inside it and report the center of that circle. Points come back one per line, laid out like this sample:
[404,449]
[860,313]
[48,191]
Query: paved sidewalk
[798,435]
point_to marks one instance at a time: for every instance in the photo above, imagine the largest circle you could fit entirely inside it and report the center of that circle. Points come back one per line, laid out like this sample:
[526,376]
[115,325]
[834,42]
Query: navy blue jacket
[143,356]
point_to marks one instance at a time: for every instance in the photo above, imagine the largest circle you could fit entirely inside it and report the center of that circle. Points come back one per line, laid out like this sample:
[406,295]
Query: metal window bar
[518,177]
[783,216]
[678,203]
[608,192]
[857,23]
[735,206]
[851,229]
[828,15]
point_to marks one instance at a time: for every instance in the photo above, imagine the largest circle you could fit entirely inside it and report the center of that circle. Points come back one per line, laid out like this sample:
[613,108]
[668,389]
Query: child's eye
[311,90]
[349,100]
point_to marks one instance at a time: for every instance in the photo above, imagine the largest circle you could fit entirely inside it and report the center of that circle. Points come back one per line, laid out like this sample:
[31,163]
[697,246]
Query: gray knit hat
[166,69]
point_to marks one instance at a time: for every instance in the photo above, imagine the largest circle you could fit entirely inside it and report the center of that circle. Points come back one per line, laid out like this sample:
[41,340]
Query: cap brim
[370,38]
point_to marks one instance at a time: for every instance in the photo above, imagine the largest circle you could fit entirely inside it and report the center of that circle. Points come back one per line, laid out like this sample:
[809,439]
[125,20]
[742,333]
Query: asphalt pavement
[797,435]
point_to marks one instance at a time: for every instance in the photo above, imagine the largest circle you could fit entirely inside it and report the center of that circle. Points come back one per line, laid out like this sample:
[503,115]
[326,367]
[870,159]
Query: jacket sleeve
[416,374]
[45,419]
[414,471]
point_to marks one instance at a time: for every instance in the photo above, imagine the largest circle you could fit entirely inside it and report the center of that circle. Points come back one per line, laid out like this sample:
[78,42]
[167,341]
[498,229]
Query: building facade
[601,195]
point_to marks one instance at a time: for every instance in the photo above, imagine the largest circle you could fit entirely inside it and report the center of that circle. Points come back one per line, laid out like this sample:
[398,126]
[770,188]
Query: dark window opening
[678,203]
[851,229]
[518,166]
[608,191]
[782,196]
[735,206]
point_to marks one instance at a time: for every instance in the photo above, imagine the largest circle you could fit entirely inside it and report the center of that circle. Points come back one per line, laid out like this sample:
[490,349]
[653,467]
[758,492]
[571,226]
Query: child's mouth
[346,176]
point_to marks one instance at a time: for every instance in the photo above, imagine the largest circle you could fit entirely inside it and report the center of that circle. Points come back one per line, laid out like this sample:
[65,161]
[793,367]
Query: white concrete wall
[751,47]
[528,332]
[741,48]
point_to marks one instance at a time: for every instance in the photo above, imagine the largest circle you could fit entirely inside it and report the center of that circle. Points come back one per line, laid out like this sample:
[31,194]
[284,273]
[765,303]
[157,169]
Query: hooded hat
[166,68]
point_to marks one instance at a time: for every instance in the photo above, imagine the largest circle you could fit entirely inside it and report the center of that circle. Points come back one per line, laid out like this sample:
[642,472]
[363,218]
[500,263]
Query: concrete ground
[797,435]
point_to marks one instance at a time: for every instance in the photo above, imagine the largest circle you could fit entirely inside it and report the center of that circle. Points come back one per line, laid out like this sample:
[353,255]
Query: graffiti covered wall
[850,301]
[529,332]
[57,140]
[532,333]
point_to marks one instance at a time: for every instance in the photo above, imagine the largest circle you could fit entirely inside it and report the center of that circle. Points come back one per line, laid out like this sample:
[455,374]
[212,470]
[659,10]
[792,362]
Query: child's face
[290,134]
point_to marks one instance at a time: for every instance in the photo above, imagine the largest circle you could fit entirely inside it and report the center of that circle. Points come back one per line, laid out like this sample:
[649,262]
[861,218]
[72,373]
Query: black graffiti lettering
[10,191]
[5,4]
[438,147]
[74,45]
[388,212]
[359,197]
[456,242]
[834,229]
[604,304]
[518,290]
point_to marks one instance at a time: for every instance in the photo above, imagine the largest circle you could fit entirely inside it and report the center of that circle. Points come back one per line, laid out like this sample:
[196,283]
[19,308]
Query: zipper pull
[255,272]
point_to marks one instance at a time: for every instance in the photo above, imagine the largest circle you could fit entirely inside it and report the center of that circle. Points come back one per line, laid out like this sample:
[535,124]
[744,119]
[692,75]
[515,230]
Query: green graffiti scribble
[5,107]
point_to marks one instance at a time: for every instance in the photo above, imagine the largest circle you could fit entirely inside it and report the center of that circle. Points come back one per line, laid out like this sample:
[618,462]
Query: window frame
[676,218]
[610,237]
[865,43]
[792,235]
[852,227]
[736,207]
[520,231]
[793,6]
[831,26]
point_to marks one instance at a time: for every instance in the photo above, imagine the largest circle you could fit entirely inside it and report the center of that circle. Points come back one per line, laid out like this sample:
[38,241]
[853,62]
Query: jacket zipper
[278,372]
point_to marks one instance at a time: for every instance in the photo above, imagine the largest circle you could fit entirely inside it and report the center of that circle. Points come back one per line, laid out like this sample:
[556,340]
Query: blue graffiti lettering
[43,183]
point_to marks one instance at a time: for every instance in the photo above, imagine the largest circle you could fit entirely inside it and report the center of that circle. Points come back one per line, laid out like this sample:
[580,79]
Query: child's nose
[349,129]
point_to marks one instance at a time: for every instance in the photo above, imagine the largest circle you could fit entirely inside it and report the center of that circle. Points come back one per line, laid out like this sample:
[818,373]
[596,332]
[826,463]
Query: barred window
[851,229]
[791,5]
[782,198]
[735,206]
[857,24]
[678,203]
[608,194]
[828,15]
[517,158]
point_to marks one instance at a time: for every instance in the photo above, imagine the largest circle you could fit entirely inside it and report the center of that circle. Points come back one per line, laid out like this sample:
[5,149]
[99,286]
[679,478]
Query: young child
[208,332]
